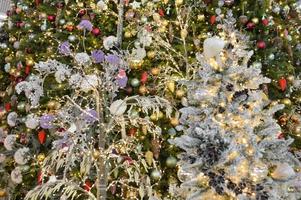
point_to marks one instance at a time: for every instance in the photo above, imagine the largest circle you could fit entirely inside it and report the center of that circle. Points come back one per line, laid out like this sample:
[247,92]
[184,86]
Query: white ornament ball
[118,107]
[71,38]
[283,171]
[213,46]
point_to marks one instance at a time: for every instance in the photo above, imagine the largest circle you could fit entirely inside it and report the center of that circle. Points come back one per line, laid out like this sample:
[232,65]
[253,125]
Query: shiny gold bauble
[180,93]
[96,154]
[203,180]
[154,117]
[174,121]
[12,39]
[41,157]
[142,90]
[286,101]
[136,64]
[8,59]
[127,34]
[12,71]
[51,104]
[291,78]
[184,33]
[255,20]
[201,17]
[155,71]
[19,54]
[2,193]
[29,62]
[171,85]
[151,54]
[297,130]
[179,2]
[160,115]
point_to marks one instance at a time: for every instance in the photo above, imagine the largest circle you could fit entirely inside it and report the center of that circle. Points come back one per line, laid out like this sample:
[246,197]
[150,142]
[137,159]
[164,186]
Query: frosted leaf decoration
[283,171]
[212,47]
[109,42]
[12,119]
[9,142]
[16,175]
[118,107]
[46,121]
[32,121]
[21,156]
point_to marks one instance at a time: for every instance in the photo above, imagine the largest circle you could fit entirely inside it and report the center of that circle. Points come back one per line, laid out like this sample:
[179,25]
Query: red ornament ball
[96,31]
[51,18]
[212,19]
[261,44]
[250,26]
[82,13]
[265,22]
[282,84]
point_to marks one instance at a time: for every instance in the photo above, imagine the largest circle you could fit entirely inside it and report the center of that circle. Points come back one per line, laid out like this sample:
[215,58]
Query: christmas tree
[50,43]
[231,143]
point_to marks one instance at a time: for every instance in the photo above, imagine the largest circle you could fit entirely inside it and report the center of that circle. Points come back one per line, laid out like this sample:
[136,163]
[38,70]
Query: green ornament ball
[171,162]
[156,175]
[135,82]
[21,106]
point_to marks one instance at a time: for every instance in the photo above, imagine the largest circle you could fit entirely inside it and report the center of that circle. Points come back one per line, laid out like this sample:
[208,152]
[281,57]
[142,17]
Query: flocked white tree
[231,143]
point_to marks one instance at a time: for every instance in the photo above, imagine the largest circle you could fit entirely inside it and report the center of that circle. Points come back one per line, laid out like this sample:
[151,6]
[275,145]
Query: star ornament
[135,4]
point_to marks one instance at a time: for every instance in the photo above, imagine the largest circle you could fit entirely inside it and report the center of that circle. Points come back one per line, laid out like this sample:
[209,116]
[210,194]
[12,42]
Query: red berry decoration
[265,22]
[212,19]
[70,28]
[96,31]
[19,24]
[82,13]
[42,136]
[87,185]
[51,18]
[250,26]
[161,12]
[261,44]
[40,177]
[132,131]
[7,107]
[144,77]
[282,84]
[27,69]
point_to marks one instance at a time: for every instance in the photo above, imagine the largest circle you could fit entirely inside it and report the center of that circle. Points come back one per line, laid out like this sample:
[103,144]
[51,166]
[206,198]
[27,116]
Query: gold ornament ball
[51,104]
[136,64]
[201,17]
[291,78]
[142,90]
[179,2]
[96,154]
[151,54]
[286,101]
[127,34]
[184,33]
[12,71]
[29,62]
[180,93]
[8,59]
[202,180]
[155,71]
[41,157]
[19,54]
[255,20]
[297,130]
[154,117]
[2,193]
[174,121]
[12,39]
